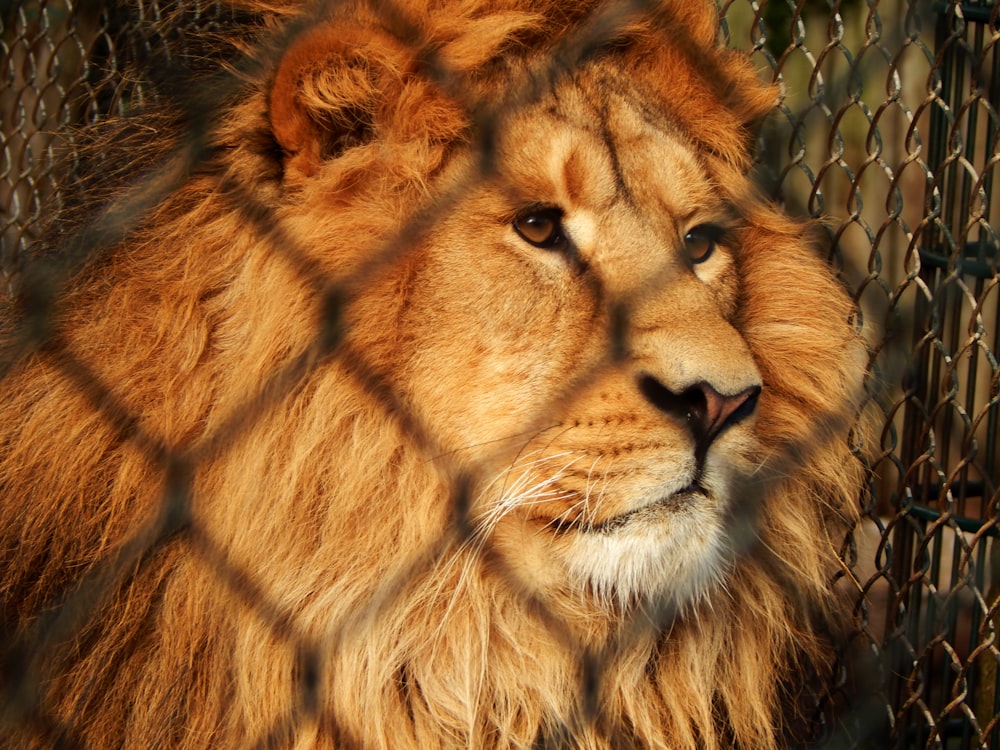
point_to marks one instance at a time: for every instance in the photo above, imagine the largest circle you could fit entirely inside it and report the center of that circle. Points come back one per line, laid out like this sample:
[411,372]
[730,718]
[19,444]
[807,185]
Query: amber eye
[699,243]
[542,228]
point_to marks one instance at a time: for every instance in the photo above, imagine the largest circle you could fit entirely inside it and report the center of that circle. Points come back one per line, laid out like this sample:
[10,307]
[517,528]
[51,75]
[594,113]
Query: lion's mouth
[673,503]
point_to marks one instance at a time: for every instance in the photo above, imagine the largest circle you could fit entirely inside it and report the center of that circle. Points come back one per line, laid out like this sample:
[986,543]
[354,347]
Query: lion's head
[462,392]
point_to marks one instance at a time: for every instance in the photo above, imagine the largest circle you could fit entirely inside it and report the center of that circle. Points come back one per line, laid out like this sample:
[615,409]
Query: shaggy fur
[310,446]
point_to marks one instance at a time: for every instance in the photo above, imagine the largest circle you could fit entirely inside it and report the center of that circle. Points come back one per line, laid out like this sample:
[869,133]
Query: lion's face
[583,301]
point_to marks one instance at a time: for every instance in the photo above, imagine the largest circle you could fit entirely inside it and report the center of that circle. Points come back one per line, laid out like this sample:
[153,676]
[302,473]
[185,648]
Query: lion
[447,384]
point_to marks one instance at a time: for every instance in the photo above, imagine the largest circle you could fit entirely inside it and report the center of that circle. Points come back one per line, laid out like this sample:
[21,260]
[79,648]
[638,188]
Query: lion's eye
[699,243]
[541,228]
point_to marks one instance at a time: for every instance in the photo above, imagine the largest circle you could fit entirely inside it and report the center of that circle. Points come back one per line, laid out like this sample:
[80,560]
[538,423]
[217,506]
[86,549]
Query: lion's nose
[707,412]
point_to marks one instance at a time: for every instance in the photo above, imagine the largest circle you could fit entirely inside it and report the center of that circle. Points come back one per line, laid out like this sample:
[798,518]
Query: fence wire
[887,128]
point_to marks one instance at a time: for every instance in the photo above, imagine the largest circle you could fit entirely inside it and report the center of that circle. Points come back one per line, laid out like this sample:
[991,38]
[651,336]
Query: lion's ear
[331,87]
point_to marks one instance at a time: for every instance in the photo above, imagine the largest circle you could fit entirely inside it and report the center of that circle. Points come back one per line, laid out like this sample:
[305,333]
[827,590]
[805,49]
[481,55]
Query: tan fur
[388,445]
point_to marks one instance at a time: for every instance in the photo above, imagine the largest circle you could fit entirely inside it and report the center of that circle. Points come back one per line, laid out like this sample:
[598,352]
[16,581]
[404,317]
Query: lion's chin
[670,553]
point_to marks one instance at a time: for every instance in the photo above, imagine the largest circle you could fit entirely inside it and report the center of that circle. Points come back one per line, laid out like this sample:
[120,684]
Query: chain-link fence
[890,127]
[887,128]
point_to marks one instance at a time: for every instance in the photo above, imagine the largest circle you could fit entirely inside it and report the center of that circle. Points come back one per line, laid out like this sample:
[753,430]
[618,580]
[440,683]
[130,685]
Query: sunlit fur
[424,494]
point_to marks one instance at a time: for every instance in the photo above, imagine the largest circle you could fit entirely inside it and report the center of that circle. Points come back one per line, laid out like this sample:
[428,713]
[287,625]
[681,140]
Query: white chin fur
[671,562]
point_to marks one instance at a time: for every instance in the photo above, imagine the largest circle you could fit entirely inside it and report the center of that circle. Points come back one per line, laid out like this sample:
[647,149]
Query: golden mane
[228,522]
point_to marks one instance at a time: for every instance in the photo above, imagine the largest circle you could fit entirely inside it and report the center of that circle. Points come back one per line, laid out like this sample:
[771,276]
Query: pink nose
[720,411]
[707,411]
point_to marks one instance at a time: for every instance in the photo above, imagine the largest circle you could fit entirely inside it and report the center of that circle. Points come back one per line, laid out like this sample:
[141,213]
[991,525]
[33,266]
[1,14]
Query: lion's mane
[224,523]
